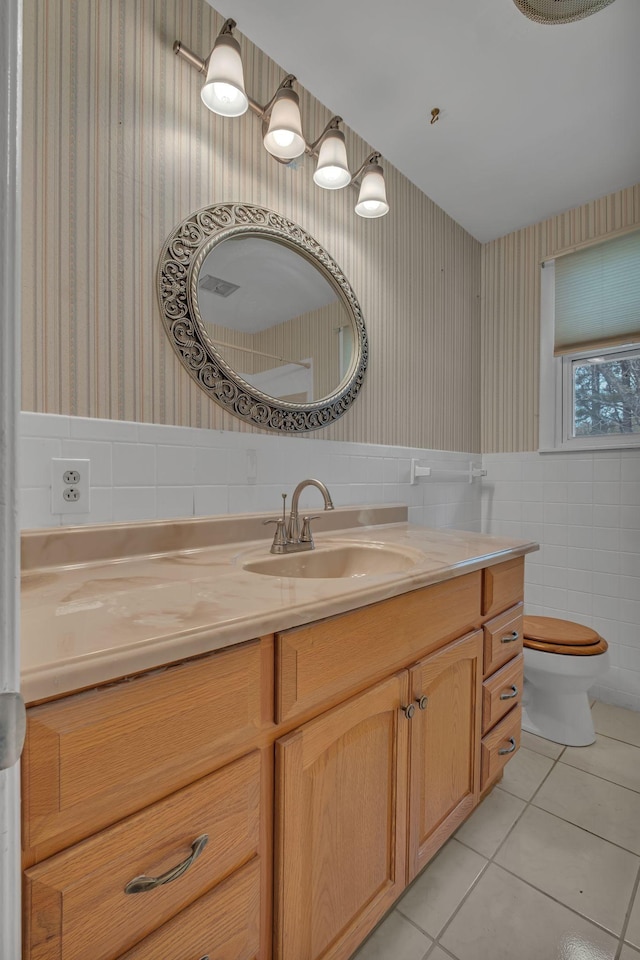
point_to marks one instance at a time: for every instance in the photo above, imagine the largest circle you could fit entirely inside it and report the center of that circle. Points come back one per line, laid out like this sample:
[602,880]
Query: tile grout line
[490,860]
[625,925]
[606,779]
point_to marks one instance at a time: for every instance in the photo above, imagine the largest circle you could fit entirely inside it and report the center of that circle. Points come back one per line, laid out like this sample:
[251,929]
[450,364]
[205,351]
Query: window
[590,347]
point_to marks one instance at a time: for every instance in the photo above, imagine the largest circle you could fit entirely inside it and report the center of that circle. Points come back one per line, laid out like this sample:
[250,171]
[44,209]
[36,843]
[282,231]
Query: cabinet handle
[422,702]
[142,884]
[510,696]
[510,637]
[409,710]
[510,749]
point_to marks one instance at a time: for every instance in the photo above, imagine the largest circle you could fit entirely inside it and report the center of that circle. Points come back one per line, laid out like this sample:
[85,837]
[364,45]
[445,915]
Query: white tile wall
[145,471]
[584,510]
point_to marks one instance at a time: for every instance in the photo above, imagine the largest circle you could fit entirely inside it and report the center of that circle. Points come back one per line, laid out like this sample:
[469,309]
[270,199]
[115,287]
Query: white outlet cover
[59,467]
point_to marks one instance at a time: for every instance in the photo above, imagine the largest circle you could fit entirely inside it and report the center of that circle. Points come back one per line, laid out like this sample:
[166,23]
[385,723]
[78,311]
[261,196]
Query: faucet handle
[279,537]
[306,536]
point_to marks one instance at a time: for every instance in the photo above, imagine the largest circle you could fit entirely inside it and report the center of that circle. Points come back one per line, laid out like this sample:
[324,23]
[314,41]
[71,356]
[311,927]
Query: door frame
[10,250]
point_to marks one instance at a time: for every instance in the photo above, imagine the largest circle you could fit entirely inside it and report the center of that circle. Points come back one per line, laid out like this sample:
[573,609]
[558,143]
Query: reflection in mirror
[262,318]
[275,319]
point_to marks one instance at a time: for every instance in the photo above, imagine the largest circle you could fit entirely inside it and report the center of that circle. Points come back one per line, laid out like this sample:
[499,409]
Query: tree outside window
[606,396]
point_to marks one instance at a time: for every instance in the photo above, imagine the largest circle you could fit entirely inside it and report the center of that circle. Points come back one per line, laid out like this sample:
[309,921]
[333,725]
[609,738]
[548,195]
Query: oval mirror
[262,318]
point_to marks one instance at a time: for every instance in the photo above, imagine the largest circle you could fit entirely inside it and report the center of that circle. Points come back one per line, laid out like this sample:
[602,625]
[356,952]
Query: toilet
[562,660]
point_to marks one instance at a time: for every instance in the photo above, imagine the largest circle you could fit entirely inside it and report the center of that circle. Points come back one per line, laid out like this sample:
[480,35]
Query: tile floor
[547,868]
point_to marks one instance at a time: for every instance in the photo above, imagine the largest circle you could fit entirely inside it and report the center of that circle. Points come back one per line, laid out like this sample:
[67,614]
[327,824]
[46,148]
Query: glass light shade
[223,90]
[332,171]
[372,199]
[284,138]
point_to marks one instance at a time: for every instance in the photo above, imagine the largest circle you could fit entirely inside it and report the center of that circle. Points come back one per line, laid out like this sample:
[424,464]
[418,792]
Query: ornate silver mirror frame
[178,271]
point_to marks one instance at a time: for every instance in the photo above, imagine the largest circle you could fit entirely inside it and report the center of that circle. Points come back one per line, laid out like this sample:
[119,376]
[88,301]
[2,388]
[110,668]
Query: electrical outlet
[70,487]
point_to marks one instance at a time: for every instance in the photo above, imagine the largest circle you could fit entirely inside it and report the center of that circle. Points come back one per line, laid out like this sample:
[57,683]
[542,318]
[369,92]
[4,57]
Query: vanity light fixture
[223,90]
[224,93]
[332,171]
[284,139]
[372,199]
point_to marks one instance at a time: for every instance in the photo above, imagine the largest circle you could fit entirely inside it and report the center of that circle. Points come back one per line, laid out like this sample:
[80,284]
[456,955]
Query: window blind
[597,296]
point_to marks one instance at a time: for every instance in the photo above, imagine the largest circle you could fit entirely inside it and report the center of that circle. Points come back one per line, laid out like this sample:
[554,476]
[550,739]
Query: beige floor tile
[438,954]
[539,745]
[603,808]
[609,759]
[504,918]
[394,939]
[633,930]
[524,773]
[439,889]
[617,723]
[489,824]
[584,872]
[628,953]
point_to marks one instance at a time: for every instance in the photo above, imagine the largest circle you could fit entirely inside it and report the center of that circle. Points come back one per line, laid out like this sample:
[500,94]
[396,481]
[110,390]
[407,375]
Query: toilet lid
[571,650]
[566,633]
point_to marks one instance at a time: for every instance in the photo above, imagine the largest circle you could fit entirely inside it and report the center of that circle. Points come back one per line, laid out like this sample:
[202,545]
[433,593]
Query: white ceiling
[274,282]
[535,119]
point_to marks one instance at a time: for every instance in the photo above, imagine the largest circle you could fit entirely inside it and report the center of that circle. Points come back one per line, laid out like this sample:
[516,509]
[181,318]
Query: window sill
[587,447]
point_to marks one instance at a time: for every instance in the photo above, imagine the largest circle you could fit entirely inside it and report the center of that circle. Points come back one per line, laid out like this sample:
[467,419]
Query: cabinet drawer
[223,924]
[76,900]
[345,654]
[502,586]
[499,745]
[501,692]
[95,757]
[502,639]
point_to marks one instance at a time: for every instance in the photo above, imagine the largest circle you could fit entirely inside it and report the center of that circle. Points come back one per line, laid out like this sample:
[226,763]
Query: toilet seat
[552,635]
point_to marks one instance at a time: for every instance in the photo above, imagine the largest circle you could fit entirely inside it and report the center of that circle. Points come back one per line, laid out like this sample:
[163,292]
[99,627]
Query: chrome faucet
[288,537]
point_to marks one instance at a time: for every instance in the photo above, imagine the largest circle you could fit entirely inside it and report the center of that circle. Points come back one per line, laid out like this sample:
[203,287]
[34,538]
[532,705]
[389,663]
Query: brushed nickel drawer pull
[510,696]
[142,884]
[422,702]
[409,711]
[510,749]
[510,637]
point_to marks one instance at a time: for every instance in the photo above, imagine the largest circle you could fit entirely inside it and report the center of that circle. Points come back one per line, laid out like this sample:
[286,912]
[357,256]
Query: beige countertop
[88,622]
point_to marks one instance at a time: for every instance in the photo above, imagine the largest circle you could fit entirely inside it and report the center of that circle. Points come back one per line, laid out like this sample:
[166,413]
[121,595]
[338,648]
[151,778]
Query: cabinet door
[341,824]
[445,745]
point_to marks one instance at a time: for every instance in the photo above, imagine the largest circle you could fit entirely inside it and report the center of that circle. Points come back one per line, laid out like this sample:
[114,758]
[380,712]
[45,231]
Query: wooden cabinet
[501,692]
[340,834]
[382,779]
[79,896]
[93,757]
[445,739]
[221,925]
[326,764]
[334,658]
[499,745]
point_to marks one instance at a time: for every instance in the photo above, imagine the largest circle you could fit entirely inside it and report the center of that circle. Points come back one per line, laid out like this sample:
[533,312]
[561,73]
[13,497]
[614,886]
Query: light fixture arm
[334,168]
[334,124]
[373,157]
[191,58]
[263,110]
[201,65]
[286,84]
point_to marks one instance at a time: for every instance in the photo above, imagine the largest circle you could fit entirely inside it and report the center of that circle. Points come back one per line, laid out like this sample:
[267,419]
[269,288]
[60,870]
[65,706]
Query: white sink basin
[336,560]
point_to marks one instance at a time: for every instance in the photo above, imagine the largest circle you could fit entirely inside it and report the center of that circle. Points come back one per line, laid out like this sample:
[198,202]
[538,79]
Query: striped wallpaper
[118,149]
[511,310]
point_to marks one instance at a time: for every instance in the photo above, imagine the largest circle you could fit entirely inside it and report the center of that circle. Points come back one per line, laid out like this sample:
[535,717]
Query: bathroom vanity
[324,758]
